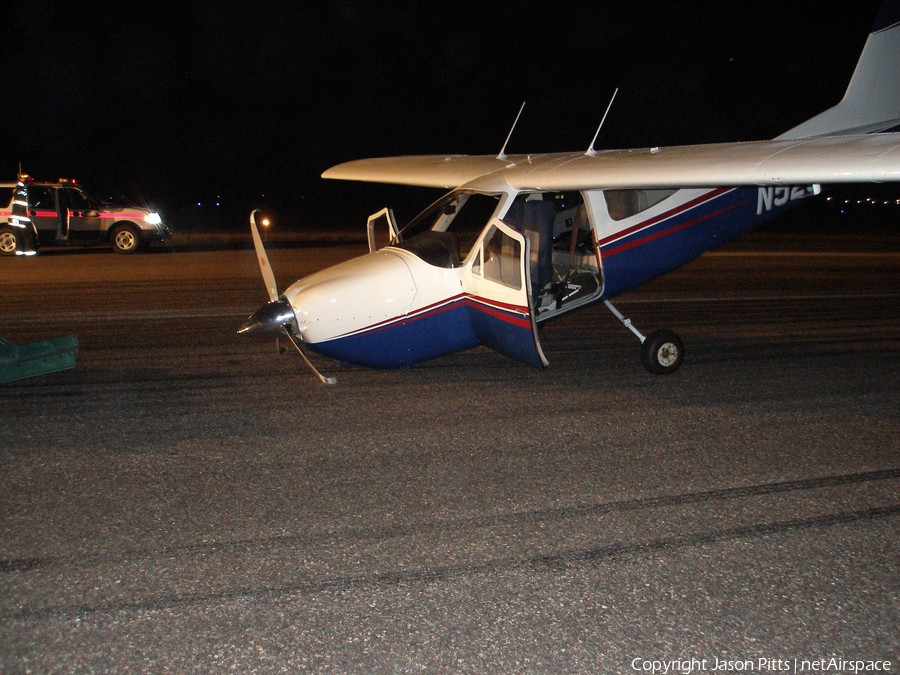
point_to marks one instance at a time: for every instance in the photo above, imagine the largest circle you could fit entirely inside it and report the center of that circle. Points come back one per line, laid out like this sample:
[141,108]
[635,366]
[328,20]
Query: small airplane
[522,239]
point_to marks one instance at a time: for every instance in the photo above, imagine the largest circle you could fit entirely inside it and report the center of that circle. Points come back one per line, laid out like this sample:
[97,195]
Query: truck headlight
[152,219]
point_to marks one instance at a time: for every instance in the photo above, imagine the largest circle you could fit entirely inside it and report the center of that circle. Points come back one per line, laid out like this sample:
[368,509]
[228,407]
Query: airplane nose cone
[268,319]
[354,296]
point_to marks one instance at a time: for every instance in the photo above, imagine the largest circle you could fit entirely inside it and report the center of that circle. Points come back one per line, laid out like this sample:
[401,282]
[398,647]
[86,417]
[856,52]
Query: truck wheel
[8,241]
[125,239]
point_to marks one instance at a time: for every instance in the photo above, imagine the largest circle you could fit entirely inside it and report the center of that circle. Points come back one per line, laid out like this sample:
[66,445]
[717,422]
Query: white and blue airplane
[522,239]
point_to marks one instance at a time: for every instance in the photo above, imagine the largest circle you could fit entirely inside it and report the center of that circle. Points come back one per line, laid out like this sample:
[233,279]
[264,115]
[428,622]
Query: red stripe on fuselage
[663,216]
[495,309]
[480,305]
[609,252]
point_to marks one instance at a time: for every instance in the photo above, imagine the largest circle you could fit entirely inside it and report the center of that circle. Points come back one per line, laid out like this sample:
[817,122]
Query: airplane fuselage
[526,238]
[681,228]
[399,305]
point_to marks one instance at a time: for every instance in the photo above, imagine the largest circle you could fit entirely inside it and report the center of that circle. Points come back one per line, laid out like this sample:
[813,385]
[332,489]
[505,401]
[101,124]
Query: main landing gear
[661,352]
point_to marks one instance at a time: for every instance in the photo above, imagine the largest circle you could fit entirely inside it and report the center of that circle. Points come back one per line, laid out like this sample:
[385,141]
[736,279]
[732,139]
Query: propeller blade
[325,380]
[264,267]
[276,314]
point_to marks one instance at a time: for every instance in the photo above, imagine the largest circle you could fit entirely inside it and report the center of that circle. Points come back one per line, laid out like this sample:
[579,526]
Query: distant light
[198,203]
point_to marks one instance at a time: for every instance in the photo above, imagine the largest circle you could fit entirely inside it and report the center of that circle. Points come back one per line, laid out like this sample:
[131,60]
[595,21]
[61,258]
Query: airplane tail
[872,101]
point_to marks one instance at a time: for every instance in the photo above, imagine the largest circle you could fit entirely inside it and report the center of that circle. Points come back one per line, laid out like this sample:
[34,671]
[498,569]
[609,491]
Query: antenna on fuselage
[502,154]
[590,151]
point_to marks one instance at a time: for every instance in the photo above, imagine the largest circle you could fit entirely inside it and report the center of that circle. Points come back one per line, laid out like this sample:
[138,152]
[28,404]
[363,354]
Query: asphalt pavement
[189,500]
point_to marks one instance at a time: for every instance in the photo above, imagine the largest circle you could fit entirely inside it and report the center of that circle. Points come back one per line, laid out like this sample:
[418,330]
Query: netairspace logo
[825,666]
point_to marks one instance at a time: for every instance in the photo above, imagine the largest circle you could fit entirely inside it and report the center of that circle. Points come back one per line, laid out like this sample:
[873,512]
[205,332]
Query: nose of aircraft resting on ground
[339,305]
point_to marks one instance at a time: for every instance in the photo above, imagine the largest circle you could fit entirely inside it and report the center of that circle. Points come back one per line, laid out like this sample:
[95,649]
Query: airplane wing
[439,171]
[831,159]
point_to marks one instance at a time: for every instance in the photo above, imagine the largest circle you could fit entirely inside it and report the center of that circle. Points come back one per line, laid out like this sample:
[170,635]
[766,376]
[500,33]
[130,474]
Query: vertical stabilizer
[872,101]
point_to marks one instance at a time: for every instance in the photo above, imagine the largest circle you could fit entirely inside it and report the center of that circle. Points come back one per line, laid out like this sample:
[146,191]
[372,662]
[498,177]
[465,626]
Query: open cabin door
[497,288]
[383,221]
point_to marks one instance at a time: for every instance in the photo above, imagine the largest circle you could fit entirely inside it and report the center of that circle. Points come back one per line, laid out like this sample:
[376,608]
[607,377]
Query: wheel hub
[667,355]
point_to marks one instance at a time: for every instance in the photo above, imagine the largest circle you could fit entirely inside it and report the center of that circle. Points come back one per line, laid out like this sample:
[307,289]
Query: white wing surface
[833,159]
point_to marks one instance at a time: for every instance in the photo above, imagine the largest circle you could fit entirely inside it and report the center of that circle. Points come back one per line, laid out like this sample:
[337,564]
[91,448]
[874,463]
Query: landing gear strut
[661,352]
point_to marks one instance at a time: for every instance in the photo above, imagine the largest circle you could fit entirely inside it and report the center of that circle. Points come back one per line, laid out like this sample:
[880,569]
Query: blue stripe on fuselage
[425,336]
[679,236]
[436,331]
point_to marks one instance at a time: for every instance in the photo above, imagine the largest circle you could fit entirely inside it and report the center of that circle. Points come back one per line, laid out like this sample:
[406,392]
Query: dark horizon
[247,105]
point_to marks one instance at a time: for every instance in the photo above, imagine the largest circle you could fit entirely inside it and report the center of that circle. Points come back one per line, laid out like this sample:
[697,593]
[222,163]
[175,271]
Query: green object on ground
[37,358]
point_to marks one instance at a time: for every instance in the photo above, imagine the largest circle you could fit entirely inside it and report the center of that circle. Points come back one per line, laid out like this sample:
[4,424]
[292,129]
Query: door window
[77,200]
[41,198]
[501,259]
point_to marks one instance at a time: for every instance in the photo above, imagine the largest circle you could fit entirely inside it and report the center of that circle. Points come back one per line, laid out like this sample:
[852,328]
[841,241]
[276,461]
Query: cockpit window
[623,204]
[445,232]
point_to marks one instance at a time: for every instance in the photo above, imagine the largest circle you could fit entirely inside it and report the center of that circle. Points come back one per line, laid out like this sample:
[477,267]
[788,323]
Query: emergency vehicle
[63,213]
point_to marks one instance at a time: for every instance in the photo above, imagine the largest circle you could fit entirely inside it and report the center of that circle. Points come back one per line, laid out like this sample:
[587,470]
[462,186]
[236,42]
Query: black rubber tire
[125,239]
[662,352]
[9,242]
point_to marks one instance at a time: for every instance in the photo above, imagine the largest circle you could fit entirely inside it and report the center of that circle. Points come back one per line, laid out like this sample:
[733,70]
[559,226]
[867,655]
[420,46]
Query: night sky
[248,103]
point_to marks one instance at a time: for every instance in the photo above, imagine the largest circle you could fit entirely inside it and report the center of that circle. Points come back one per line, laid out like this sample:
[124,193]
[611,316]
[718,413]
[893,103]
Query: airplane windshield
[445,232]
